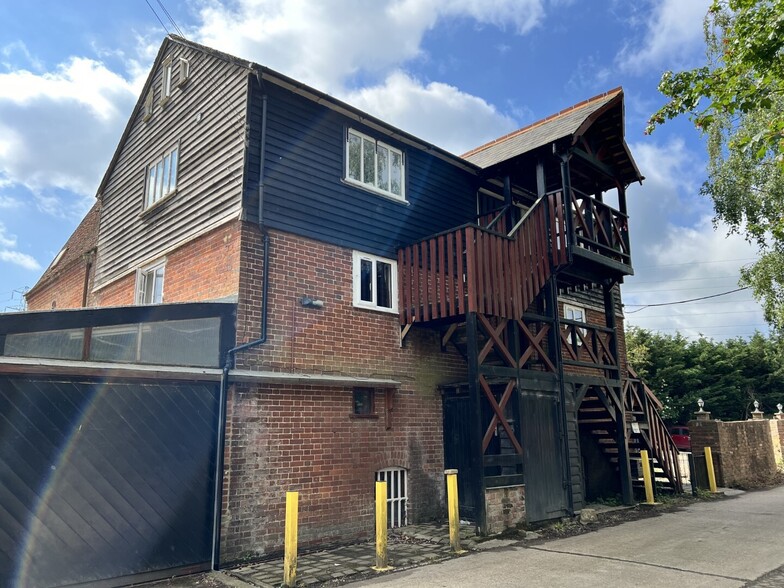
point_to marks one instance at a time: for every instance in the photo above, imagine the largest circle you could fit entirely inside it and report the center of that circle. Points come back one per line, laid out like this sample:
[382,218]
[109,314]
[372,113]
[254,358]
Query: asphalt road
[726,543]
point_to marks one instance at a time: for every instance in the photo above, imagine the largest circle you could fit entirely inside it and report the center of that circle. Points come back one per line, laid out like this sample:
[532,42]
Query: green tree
[727,375]
[737,99]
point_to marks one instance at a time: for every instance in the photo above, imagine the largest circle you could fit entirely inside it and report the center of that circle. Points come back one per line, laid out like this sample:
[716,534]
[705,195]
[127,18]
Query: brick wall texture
[505,508]
[65,291]
[206,268]
[283,437]
[744,450]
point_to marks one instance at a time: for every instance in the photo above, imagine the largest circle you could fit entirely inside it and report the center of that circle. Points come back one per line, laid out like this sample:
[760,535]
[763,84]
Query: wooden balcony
[476,269]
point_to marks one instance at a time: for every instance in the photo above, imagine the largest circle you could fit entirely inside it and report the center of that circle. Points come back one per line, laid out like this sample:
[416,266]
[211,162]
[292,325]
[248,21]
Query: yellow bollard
[646,476]
[290,540]
[381,528]
[454,511]
[711,473]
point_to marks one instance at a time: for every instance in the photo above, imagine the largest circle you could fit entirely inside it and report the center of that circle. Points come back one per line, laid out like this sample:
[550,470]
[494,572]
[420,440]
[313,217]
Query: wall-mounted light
[309,302]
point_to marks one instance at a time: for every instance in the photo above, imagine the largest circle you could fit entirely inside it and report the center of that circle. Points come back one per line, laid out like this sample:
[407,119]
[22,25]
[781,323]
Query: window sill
[372,417]
[158,206]
[376,308]
[375,191]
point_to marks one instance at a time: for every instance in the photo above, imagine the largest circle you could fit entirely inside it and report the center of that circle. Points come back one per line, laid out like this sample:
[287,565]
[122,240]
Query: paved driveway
[735,542]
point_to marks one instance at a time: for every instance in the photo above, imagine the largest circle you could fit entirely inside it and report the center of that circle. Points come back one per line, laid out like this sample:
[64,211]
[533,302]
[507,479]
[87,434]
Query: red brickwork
[65,291]
[743,451]
[283,437]
[206,268]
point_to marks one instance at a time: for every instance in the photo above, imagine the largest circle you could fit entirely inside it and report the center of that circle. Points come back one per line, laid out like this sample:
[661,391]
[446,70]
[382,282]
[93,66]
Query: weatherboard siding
[305,192]
[206,116]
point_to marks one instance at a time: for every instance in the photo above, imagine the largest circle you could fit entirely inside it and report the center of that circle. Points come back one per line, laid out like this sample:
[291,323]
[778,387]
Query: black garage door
[104,480]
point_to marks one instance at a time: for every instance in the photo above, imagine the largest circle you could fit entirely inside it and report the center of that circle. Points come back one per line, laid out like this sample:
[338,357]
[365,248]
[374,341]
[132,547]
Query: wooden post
[381,528]
[711,473]
[477,484]
[453,509]
[290,540]
[646,476]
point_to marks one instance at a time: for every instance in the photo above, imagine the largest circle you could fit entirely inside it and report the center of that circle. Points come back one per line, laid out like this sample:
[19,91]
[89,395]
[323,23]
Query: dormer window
[375,165]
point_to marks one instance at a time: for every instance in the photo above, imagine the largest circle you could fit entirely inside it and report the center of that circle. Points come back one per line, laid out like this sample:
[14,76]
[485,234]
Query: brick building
[399,309]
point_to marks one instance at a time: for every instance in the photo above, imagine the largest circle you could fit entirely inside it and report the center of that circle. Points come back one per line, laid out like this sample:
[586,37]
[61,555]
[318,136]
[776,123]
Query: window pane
[166,167]
[148,284]
[383,168]
[151,186]
[173,180]
[384,284]
[158,180]
[363,400]
[157,293]
[369,161]
[396,174]
[354,157]
[366,280]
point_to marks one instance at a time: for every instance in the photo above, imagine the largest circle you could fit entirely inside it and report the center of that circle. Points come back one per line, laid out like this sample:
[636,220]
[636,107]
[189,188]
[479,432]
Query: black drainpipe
[228,364]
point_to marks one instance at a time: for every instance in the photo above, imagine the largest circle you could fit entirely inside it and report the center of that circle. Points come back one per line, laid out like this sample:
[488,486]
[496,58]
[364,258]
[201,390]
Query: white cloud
[679,256]
[325,44]
[58,129]
[436,112]
[9,254]
[673,37]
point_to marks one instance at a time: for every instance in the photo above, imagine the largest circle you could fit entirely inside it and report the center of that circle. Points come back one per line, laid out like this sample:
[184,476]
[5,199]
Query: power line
[695,263]
[158,17]
[650,290]
[634,282]
[171,20]
[644,306]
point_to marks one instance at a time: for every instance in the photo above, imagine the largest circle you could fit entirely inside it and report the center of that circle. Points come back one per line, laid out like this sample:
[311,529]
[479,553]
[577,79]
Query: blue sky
[454,72]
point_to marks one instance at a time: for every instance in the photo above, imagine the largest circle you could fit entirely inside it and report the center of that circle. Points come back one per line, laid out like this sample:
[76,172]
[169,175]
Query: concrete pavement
[728,543]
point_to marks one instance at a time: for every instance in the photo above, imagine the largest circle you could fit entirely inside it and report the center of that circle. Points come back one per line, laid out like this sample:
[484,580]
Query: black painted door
[546,495]
[458,417]
[104,480]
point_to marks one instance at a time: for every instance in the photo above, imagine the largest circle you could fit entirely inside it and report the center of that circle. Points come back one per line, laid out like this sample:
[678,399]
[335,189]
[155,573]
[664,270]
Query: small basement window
[364,402]
[397,495]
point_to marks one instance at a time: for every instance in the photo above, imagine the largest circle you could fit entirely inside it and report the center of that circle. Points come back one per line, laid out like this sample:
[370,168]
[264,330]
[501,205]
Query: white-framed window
[375,282]
[184,70]
[149,284]
[575,313]
[397,495]
[168,78]
[375,165]
[161,177]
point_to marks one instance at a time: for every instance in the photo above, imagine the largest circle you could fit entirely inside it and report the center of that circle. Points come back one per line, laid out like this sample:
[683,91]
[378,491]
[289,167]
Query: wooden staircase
[600,421]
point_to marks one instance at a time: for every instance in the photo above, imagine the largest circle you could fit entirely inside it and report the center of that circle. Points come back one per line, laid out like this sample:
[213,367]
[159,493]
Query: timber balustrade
[638,398]
[473,269]
[587,345]
[600,228]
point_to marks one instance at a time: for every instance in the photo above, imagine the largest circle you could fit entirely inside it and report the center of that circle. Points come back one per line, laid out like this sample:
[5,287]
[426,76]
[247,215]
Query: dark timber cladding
[206,117]
[304,192]
[104,481]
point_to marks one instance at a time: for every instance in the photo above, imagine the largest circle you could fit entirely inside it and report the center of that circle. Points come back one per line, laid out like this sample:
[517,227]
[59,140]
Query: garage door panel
[104,479]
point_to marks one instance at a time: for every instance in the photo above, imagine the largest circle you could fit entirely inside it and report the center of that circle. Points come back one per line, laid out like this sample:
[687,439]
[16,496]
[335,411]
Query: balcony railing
[472,269]
[600,228]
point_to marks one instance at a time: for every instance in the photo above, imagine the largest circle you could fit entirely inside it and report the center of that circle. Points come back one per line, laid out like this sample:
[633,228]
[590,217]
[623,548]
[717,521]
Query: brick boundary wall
[743,451]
